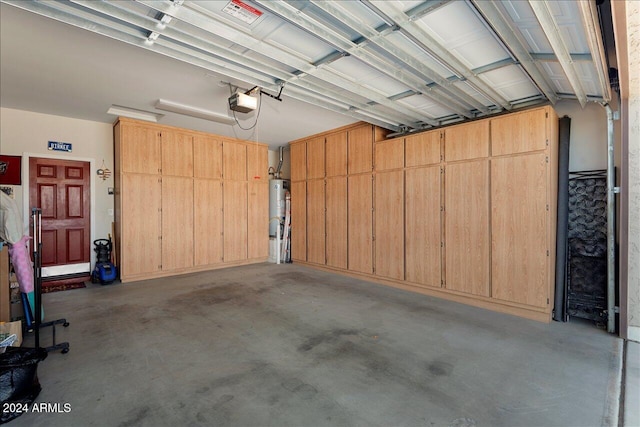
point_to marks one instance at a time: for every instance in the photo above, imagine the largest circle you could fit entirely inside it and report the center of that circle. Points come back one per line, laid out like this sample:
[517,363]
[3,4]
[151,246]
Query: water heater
[277,191]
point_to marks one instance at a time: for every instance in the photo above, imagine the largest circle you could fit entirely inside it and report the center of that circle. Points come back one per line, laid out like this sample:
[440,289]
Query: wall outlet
[110,212]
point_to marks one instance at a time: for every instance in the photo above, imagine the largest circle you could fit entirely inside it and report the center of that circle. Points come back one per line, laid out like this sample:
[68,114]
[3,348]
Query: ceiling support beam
[552,32]
[596,46]
[412,30]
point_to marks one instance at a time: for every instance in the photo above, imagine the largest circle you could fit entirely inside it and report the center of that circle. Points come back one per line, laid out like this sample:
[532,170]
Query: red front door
[61,188]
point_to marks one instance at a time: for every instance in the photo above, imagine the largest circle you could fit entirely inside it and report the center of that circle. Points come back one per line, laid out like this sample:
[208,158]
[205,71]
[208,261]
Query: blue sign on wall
[59,146]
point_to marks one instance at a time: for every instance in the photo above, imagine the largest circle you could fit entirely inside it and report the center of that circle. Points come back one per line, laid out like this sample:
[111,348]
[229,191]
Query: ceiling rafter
[590,21]
[552,32]
[495,17]
[434,48]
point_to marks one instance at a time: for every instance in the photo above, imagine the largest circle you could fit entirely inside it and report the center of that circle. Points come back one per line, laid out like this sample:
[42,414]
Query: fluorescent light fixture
[132,113]
[188,110]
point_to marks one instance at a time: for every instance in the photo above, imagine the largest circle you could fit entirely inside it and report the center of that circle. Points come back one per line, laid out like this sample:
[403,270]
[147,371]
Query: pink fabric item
[22,265]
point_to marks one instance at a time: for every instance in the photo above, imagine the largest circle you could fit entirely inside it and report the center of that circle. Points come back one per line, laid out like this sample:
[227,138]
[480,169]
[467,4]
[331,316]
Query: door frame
[92,186]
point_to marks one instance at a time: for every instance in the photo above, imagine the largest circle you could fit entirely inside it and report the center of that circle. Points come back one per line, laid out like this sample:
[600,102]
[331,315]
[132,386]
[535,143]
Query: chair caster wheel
[65,351]
[65,324]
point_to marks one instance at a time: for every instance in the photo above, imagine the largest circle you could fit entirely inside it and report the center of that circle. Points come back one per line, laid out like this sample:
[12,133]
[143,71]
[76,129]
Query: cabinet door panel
[234,161]
[299,221]
[140,149]
[360,146]
[389,215]
[258,221]
[423,226]
[467,227]
[519,229]
[315,221]
[207,157]
[519,133]
[336,154]
[422,149]
[207,222]
[360,223]
[235,220]
[315,158]
[468,141]
[177,222]
[141,201]
[257,163]
[177,153]
[336,222]
[298,156]
[389,154]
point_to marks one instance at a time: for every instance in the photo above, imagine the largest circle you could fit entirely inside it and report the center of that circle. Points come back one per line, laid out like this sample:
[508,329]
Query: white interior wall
[26,134]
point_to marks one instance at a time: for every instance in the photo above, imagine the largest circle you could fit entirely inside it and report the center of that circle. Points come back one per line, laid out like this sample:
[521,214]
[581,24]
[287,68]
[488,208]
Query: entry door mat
[64,284]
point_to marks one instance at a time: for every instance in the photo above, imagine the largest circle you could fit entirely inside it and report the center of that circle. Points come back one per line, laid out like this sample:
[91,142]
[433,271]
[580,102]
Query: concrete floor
[268,345]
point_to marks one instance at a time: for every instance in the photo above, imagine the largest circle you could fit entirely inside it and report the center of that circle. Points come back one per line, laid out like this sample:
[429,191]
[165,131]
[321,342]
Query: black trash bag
[19,383]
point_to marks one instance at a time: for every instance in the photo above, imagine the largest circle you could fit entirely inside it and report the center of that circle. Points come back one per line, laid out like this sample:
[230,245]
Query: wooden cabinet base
[520,310]
[198,269]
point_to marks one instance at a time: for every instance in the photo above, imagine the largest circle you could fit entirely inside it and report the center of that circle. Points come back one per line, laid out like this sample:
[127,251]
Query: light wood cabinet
[258,223]
[142,152]
[298,154]
[423,226]
[466,212]
[389,154]
[207,218]
[234,161]
[389,224]
[258,164]
[193,202]
[360,223]
[177,153]
[360,149]
[315,221]
[468,141]
[423,149]
[207,157]
[299,220]
[336,222]
[336,154]
[519,219]
[467,227]
[520,132]
[140,248]
[177,222]
[315,158]
[235,220]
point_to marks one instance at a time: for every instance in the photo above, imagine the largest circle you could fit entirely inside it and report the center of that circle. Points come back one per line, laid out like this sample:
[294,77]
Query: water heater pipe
[276,174]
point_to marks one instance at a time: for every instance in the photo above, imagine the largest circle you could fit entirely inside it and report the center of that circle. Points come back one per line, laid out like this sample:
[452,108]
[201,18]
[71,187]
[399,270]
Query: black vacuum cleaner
[104,272]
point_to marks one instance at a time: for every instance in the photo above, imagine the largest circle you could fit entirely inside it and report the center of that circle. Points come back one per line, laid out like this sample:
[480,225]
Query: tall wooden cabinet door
[298,154]
[140,149]
[389,154]
[177,153]
[207,222]
[235,220]
[315,221]
[336,154]
[299,221]
[360,150]
[257,163]
[141,244]
[423,226]
[360,223]
[467,227]
[234,161]
[207,157]
[519,229]
[177,222]
[315,158]
[336,221]
[519,133]
[422,149]
[389,224]
[258,220]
